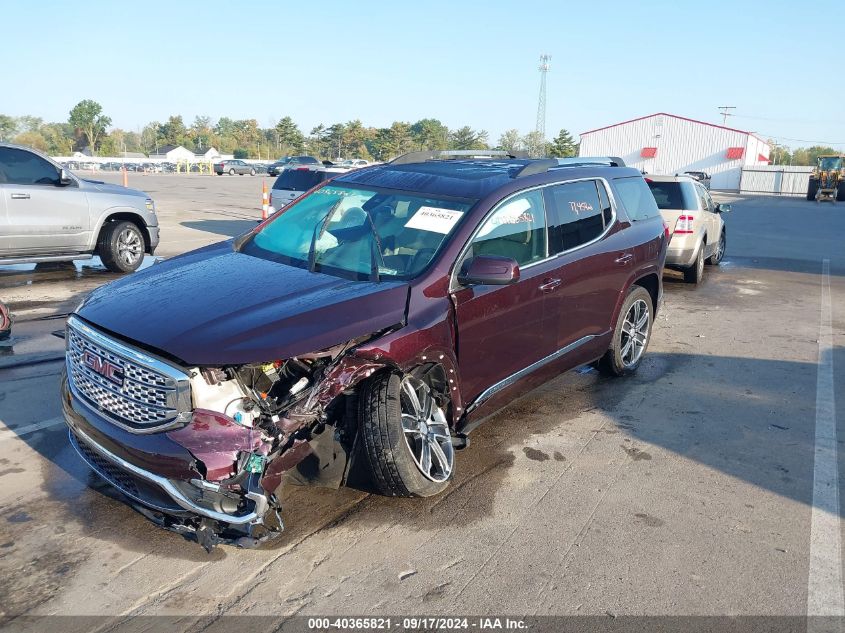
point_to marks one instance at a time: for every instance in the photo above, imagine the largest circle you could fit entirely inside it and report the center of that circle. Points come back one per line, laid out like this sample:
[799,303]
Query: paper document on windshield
[434,219]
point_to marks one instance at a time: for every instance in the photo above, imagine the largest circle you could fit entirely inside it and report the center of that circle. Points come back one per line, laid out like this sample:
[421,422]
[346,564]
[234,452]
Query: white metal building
[668,144]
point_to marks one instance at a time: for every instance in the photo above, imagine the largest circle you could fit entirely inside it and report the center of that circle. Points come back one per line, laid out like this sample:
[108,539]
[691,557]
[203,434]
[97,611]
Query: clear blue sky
[463,62]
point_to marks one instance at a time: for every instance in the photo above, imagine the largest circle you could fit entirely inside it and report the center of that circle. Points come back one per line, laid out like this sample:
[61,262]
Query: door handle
[550,284]
[20,196]
[624,259]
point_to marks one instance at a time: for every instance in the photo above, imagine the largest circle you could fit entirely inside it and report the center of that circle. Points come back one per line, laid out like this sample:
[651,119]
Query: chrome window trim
[513,378]
[453,280]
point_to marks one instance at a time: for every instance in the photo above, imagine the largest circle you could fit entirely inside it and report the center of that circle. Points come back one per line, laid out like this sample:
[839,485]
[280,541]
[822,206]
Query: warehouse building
[668,144]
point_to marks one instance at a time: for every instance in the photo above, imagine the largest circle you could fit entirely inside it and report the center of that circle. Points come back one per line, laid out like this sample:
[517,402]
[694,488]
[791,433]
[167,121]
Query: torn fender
[216,440]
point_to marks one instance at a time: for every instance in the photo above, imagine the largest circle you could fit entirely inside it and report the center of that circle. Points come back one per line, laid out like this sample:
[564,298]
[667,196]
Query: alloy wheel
[129,247]
[634,333]
[720,249]
[426,430]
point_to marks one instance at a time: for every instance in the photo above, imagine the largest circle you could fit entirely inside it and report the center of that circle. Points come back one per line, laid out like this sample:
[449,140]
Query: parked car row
[380,318]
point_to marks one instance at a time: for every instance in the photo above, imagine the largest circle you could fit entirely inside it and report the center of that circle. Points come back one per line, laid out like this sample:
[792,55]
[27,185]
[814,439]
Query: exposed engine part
[255,425]
[226,397]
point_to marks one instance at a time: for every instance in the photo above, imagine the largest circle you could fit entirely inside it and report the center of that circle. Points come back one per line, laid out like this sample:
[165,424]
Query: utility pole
[541,102]
[726,113]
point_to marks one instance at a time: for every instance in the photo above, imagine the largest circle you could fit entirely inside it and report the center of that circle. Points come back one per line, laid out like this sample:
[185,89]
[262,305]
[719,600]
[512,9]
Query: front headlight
[151,206]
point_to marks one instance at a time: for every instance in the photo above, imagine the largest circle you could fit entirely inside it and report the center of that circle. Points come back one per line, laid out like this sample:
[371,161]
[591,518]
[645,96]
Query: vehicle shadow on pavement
[752,419]
[229,228]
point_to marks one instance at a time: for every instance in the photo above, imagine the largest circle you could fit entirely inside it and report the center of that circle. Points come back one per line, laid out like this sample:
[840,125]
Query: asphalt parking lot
[687,489]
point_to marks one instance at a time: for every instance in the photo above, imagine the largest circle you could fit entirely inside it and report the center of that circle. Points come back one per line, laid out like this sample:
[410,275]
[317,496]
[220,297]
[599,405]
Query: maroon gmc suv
[365,328]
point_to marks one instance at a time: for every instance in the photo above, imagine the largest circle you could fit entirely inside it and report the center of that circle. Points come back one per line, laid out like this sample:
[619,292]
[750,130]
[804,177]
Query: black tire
[110,251]
[394,471]
[695,273]
[812,188]
[232,171]
[251,172]
[613,363]
[716,258]
[840,192]
[5,322]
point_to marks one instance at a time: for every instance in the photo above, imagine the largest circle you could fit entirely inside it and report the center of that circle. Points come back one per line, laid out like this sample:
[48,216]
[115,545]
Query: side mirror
[65,178]
[489,270]
[723,208]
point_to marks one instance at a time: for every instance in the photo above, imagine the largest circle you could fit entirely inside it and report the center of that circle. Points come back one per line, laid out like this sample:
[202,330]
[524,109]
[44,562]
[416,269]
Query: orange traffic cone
[265,202]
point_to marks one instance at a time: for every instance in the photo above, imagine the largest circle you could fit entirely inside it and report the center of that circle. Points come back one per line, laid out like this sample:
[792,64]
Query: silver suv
[48,214]
[699,235]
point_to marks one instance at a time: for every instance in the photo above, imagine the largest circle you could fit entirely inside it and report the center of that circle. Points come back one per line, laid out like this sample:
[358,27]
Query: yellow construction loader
[828,179]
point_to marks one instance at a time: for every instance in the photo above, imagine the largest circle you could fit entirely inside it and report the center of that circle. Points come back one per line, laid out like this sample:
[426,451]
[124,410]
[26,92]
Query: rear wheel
[840,192]
[719,253]
[251,172]
[5,322]
[121,247]
[812,188]
[694,273]
[232,171]
[405,436]
[630,336]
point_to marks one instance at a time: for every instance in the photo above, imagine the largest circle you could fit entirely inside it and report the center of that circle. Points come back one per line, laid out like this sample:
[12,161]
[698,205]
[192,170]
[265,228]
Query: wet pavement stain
[647,519]
[11,471]
[635,453]
[533,453]
[559,457]
[435,593]
[19,517]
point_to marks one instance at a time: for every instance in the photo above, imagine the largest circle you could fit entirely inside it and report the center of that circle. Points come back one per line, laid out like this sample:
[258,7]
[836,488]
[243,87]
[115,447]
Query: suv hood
[97,185]
[215,306]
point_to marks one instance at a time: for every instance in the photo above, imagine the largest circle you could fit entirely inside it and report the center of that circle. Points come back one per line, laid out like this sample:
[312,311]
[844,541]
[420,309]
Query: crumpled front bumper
[162,480]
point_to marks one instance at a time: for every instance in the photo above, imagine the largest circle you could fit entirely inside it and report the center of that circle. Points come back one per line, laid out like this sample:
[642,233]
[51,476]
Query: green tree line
[781,155]
[88,127]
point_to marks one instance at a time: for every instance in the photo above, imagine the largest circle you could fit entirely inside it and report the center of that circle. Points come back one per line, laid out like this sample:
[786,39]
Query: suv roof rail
[539,166]
[542,165]
[423,156]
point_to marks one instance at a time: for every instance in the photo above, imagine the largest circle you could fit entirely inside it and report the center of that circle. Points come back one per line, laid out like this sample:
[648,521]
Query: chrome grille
[144,395]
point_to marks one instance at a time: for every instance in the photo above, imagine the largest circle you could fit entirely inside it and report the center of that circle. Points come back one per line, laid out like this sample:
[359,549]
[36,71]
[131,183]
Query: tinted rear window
[636,197]
[298,179]
[672,195]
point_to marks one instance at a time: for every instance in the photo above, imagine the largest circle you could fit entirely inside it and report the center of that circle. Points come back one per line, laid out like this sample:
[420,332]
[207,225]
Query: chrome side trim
[174,493]
[510,380]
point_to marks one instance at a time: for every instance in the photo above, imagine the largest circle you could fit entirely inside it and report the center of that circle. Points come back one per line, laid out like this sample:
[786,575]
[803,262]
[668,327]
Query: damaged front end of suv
[204,450]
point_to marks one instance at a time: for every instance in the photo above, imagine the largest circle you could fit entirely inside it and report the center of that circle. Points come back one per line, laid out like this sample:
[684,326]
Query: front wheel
[719,253]
[840,192]
[630,336]
[405,436]
[251,172]
[121,247]
[232,172]
[812,189]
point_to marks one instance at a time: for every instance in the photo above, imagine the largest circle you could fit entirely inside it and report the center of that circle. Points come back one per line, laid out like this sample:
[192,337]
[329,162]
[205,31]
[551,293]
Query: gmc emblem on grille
[103,367]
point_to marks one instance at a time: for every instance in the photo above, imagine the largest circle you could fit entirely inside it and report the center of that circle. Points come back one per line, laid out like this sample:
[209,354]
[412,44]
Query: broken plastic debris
[255,463]
[407,573]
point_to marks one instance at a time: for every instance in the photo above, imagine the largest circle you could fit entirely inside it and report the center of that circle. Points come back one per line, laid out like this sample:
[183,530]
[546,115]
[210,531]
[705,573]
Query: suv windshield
[360,233]
[299,179]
